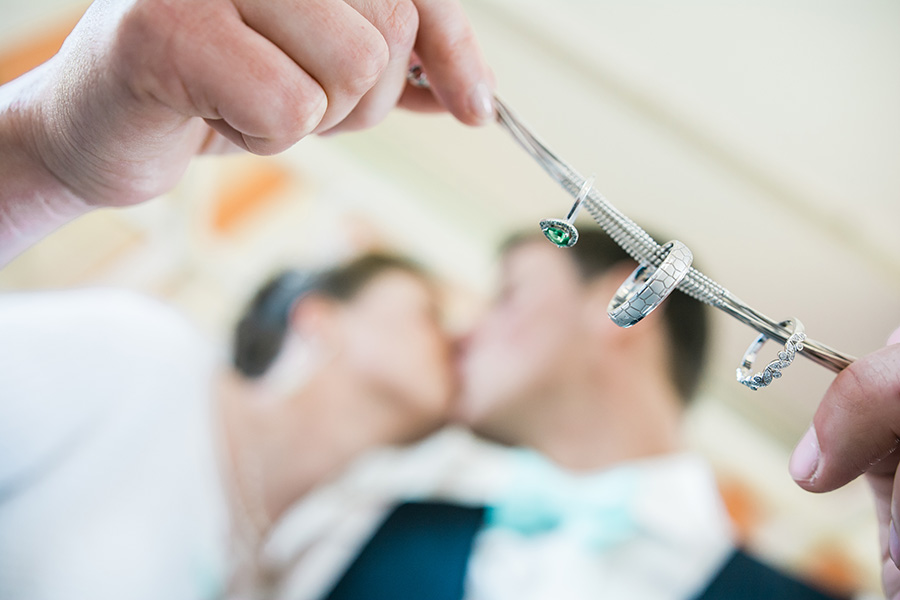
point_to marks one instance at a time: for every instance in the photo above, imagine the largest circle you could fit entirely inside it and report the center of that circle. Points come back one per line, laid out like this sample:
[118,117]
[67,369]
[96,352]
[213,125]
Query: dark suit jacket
[421,551]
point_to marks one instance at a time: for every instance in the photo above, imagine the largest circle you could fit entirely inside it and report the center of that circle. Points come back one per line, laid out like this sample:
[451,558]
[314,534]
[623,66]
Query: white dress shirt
[109,488]
[650,529]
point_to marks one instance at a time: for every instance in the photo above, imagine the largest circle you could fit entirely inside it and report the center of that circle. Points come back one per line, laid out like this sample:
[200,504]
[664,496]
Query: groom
[598,497]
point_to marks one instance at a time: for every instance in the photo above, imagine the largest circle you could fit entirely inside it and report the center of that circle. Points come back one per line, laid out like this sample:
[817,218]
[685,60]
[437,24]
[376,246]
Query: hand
[141,86]
[856,430]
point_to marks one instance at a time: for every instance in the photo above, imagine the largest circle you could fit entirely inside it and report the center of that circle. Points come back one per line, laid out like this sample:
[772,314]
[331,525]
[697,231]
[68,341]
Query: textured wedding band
[773,370]
[647,287]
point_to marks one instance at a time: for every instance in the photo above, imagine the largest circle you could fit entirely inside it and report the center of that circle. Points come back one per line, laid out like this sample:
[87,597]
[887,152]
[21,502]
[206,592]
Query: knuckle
[307,107]
[155,46]
[287,117]
[401,26]
[295,115]
[368,63]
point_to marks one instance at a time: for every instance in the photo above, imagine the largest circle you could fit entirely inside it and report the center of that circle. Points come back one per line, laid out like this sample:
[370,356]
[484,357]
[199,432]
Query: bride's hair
[260,332]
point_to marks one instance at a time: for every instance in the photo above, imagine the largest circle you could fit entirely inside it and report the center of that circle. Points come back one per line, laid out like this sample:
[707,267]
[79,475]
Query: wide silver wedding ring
[648,286]
[773,370]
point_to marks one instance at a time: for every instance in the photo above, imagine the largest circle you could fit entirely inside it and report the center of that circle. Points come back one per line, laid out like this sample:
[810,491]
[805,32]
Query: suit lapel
[420,552]
[745,578]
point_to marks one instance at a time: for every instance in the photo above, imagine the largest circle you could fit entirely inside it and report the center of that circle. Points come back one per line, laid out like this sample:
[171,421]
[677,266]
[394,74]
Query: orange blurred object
[244,195]
[743,505]
[39,48]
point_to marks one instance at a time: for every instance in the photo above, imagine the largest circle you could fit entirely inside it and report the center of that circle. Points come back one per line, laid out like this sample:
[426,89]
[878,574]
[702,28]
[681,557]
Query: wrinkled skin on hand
[141,86]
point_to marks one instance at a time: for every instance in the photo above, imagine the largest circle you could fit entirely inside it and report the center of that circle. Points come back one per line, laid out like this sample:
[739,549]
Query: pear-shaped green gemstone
[558,236]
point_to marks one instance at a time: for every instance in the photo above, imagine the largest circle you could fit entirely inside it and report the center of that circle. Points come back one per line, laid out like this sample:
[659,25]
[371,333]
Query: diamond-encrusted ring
[647,286]
[773,370]
[563,232]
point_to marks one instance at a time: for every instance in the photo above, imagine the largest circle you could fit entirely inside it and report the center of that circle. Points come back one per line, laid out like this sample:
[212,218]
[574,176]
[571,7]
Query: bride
[135,463]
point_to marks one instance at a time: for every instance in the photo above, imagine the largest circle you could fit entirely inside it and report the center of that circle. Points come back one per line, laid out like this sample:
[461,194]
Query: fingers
[891,578]
[446,46]
[243,84]
[257,97]
[215,143]
[882,486]
[856,426]
[420,100]
[885,486]
[398,23]
[855,430]
[458,75]
[265,74]
[331,41]
[358,51]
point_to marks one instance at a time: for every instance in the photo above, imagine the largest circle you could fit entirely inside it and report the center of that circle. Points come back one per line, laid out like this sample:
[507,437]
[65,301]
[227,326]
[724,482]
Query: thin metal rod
[639,244]
[643,248]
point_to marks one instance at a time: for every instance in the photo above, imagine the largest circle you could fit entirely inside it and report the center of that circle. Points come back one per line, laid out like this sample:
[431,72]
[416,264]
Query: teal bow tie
[595,509]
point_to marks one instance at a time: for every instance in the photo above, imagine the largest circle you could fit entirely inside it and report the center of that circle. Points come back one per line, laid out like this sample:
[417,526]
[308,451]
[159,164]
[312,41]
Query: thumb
[856,426]
[895,337]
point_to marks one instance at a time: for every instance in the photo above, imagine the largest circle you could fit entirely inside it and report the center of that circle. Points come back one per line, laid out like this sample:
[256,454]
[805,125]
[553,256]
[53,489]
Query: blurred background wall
[765,135]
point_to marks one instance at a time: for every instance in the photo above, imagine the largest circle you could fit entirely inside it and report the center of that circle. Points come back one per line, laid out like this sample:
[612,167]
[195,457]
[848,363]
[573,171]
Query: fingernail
[894,545]
[895,338]
[481,101]
[805,459]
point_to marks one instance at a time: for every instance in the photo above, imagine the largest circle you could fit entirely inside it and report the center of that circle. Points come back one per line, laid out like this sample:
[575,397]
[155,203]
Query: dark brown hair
[686,320]
[260,332]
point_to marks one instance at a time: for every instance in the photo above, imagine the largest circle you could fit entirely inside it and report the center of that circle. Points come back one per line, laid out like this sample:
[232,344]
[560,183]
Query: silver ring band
[579,198]
[647,286]
[773,370]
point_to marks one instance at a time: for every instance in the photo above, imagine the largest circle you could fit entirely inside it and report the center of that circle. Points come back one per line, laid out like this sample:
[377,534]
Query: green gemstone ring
[562,232]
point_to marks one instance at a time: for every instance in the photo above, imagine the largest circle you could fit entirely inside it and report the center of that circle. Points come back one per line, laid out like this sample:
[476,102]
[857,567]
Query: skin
[141,86]
[856,431]
[386,379]
[547,369]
